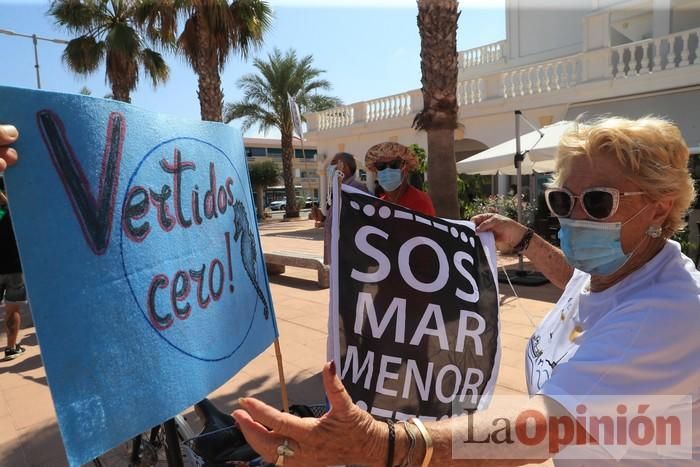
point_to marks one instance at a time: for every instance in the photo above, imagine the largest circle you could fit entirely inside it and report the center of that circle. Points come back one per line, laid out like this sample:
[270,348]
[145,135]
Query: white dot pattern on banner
[442,227]
[423,220]
[385,212]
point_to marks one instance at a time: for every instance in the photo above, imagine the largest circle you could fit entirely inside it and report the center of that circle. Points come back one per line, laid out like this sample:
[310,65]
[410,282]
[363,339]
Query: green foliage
[469,187]
[264,173]
[500,204]
[237,26]
[266,93]
[266,101]
[422,157]
[113,33]
[683,237]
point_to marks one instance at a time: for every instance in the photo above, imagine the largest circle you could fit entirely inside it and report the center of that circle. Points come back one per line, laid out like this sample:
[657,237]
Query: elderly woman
[627,323]
[393,162]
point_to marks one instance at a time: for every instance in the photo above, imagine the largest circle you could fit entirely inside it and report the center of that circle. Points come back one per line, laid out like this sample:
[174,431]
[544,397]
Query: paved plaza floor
[28,431]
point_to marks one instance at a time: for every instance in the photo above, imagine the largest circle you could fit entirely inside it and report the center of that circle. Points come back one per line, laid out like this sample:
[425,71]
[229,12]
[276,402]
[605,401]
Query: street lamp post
[35,39]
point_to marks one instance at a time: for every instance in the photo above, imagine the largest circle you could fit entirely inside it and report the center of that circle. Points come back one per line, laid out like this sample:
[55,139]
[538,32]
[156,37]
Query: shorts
[12,287]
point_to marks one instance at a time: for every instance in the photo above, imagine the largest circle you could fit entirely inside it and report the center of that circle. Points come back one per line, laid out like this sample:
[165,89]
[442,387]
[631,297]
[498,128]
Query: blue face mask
[330,171]
[390,179]
[593,247]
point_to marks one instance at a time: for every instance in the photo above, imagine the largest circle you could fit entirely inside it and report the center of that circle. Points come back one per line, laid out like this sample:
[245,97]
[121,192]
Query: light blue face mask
[594,247]
[390,179]
[330,171]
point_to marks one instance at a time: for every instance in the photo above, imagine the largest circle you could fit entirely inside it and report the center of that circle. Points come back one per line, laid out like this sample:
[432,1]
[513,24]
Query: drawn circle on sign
[463,236]
[355,205]
[200,248]
[454,231]
[368,210]
[384,212]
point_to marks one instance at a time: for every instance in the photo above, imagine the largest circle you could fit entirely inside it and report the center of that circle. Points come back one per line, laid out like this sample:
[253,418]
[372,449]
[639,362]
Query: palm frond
[76,16]
[266,91]
[124,39]
[154,66]
[158,19]
[84,54]
[252,114]
[250,20]
[318,102]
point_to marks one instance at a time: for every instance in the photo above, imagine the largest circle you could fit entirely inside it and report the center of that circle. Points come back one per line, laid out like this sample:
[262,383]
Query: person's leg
[14,292]
[12,322]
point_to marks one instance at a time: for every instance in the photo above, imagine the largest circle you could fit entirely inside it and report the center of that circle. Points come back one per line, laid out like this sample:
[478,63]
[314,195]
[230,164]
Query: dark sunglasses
[395,164]
[598,203]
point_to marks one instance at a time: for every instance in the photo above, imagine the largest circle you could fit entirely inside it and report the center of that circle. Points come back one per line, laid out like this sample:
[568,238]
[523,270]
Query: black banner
[417,310]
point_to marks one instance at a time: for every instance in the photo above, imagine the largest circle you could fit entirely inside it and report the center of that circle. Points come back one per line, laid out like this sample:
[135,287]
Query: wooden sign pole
[280,370]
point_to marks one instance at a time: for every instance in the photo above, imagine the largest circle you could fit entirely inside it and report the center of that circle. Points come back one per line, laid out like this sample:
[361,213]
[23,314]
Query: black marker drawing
[248,249]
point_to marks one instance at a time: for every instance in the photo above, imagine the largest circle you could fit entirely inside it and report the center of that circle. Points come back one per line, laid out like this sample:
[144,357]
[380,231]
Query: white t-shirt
[639,337]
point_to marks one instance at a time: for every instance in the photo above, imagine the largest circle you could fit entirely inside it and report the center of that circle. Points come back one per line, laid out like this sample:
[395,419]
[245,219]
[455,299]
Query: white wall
[685,15]
[539,30]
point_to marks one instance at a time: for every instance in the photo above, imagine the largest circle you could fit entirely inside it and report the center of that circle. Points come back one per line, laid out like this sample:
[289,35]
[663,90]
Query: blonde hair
[652,151]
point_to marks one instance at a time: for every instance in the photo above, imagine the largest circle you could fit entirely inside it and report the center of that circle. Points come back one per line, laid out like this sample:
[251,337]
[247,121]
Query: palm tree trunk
[437,24]
[120,91]
[260,191]
[211,97]
[443,166]
[288,174]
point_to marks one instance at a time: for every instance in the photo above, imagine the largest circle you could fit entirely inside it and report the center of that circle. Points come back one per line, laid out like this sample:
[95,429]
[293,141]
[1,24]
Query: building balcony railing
[652,55]
[483,55]
[542,78]
[384,108]
[667,53]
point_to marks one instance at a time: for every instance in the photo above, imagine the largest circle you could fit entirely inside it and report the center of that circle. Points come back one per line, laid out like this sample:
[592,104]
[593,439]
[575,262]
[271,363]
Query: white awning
[499,159]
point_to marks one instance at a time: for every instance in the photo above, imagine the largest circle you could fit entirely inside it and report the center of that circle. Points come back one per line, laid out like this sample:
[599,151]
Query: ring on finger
[283,450]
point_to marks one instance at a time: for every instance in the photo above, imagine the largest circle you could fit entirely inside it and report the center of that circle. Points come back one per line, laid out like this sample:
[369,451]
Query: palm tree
[262,175]
[110,30]
[266,103]
[213,30]
[437,24]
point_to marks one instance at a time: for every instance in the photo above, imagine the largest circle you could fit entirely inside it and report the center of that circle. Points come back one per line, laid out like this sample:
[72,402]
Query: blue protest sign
[142,260]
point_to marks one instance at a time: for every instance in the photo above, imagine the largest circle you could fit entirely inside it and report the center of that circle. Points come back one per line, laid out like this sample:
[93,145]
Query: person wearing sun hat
[393,162]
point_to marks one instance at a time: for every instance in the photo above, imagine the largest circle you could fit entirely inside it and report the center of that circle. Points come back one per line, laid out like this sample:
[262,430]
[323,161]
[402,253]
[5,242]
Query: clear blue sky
[367,51]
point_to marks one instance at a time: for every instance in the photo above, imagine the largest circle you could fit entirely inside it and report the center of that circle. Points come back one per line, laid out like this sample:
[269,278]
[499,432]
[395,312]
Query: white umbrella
[499,159]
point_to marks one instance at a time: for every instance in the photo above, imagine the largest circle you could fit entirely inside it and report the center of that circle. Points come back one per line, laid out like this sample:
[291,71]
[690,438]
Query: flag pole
[280,371]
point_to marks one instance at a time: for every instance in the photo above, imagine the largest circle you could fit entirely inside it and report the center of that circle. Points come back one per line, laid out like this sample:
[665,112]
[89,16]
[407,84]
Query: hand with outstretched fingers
[8,156]
[344,435]
[506,231]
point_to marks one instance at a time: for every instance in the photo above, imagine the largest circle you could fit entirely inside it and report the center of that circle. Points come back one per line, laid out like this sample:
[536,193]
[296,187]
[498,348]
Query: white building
[628,58]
